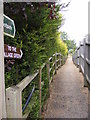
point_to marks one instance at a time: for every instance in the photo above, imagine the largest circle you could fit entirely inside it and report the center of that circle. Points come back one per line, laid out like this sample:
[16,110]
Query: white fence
[14,93]
[81,59]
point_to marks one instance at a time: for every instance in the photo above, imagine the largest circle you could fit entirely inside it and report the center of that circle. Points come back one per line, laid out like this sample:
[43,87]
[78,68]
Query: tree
[71,45]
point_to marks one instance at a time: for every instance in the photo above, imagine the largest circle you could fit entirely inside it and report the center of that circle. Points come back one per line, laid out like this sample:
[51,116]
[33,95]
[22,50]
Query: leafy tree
[71,45]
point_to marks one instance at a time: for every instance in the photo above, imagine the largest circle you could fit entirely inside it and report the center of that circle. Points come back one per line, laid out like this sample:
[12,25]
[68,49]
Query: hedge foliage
[38,39]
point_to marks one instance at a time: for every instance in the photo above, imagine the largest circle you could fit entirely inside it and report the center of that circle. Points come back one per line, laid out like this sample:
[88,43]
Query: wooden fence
[14,93]
[81,59]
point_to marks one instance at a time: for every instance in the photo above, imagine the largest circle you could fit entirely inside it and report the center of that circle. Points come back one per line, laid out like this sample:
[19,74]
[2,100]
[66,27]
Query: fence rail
[14,93]
[81,59]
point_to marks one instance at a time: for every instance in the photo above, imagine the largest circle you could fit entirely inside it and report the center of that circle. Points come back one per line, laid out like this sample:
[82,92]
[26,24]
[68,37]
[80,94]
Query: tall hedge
[37,36]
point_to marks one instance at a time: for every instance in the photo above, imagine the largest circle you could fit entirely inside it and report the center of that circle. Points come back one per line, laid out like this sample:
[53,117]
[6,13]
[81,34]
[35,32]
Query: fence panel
[81,58]
[82,49]
[87,59]
[38,87]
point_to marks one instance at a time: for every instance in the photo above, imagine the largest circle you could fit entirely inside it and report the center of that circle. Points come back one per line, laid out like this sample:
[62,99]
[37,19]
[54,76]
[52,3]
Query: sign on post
[9,27]
[11,52]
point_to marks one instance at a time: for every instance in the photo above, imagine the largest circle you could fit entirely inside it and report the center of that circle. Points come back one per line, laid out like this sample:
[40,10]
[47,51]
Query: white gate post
[14,102]
[2,81]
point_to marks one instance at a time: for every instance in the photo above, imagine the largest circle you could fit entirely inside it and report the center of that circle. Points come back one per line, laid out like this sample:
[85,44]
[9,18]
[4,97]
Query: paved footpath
[68,97]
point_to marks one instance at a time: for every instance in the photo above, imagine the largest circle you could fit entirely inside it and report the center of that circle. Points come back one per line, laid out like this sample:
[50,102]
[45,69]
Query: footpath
[68,97]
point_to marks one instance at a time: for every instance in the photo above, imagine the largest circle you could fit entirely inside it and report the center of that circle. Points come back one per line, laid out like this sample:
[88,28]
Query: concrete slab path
[68,97]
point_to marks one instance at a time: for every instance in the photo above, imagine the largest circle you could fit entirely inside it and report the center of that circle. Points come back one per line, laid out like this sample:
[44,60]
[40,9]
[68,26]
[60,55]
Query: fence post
[64,59]
[40,94]
[56,63]
[60,59]
[77,58]
[85,66]
[14,102]
[48,73]
[80,58]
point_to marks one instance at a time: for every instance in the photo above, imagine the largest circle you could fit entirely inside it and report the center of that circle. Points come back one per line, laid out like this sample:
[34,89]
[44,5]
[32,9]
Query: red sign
[12,52]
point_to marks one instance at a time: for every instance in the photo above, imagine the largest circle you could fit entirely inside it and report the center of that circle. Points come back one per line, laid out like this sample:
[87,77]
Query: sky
[76,23]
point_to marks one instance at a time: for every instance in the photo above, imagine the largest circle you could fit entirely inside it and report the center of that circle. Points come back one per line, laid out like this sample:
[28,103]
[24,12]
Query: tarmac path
[68,97]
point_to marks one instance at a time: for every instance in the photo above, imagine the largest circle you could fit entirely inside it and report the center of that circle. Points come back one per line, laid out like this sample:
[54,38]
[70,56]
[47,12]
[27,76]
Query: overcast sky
[76,23]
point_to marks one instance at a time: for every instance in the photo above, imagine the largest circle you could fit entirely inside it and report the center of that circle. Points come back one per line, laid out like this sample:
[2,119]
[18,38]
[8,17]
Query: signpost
[6,25]
[9,27]
[11,52]
[2,80]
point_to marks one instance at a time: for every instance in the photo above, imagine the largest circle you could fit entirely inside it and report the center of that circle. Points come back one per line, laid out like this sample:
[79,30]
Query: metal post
[2,80]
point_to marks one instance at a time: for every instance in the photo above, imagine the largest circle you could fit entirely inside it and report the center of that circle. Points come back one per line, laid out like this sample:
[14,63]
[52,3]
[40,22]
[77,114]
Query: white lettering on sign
[14,49]
[10,55]
[17,55]
[9,48]
[7,26]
